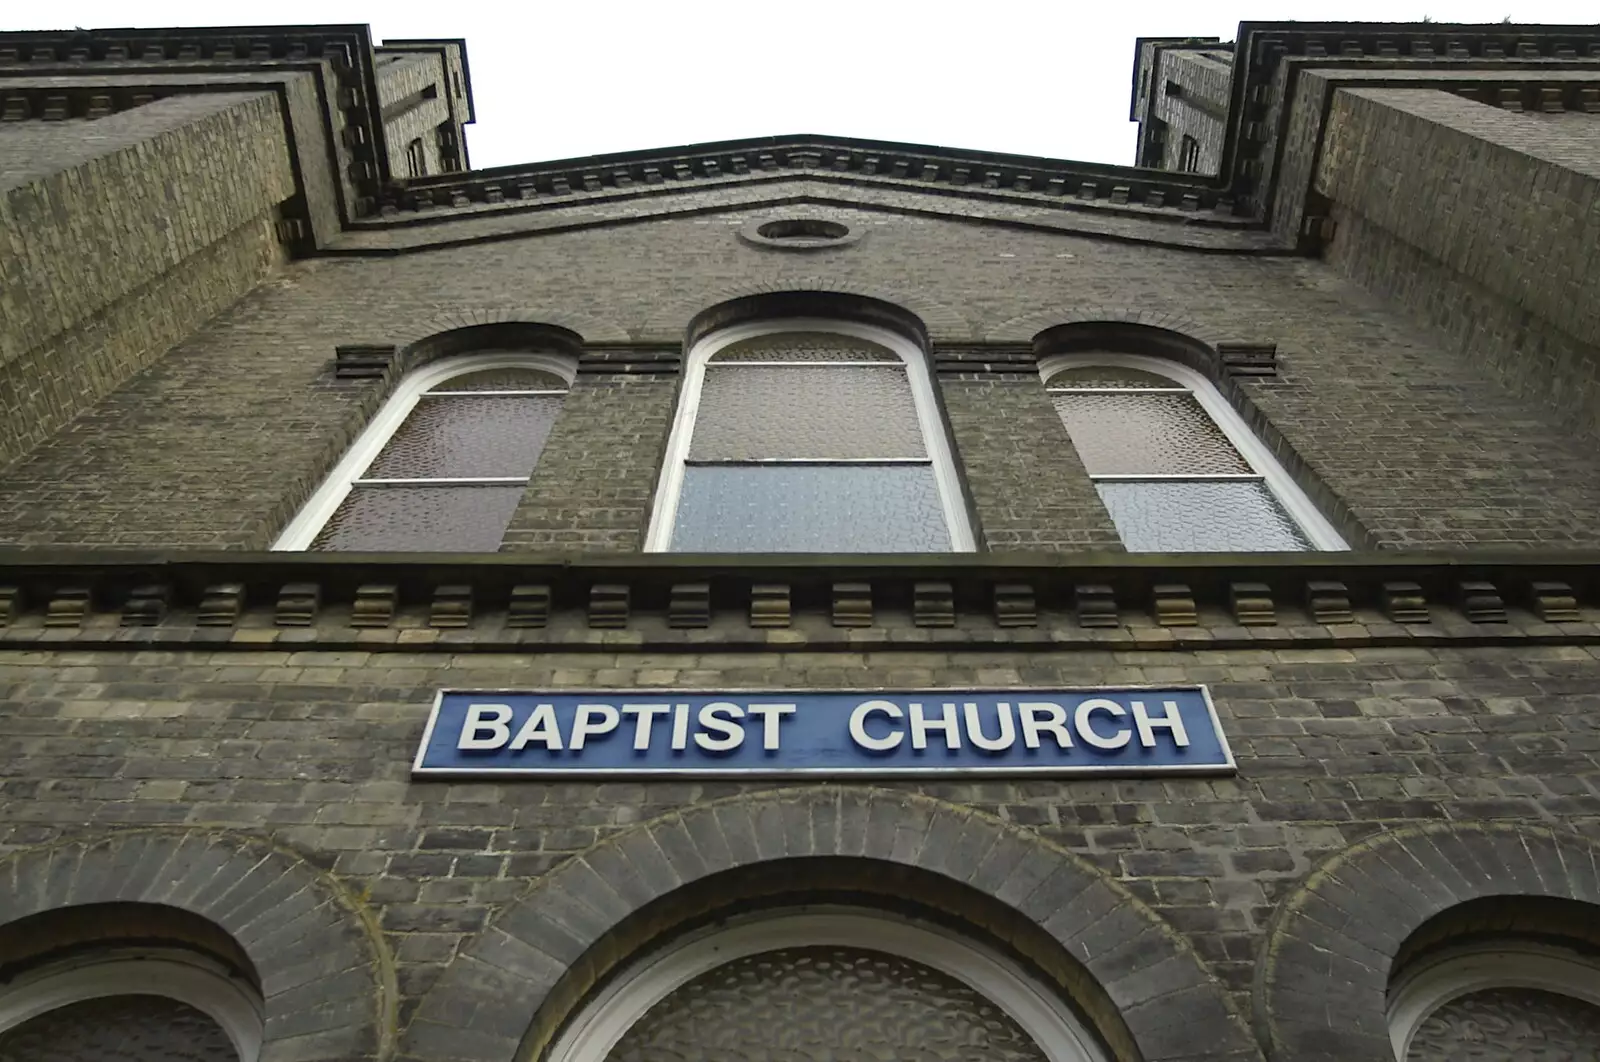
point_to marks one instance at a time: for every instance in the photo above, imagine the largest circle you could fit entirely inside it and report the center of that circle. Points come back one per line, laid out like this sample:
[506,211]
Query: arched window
[1499,1001]
[1177,468]
[826,982]
[444,463]
[808,436]
[132,1004]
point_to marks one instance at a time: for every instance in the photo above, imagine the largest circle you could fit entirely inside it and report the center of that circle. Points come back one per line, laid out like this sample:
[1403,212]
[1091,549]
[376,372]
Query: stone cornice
[1263,80]
[341,56]
[976,174]
[1262,87]
[583,603]
[372,197]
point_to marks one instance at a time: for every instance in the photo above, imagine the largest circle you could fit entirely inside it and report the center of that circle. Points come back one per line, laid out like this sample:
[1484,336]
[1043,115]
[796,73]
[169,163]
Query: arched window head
[132,1003]
[1499,1001]
[444,463]
[830,982]
[1177,468]
[808,436]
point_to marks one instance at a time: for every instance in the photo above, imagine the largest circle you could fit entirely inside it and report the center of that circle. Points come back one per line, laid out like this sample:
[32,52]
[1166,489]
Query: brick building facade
[303,420]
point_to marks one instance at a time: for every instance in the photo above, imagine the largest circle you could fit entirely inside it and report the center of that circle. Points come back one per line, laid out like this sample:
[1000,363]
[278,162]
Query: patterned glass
[823,412]
[1109,376]
[503,380]
[119,1029]
[461,519]
[449,438]
[804,346]
[825,1003]
[810,509]
[1146,434]
[1509,1025]
[1200,516]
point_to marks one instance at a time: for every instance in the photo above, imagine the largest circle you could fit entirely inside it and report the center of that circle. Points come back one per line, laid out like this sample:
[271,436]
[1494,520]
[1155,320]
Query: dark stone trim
[1301,599]
[578,328]
[1005,362]
[530,947]
[1324,968]
[322,965]
[909,313]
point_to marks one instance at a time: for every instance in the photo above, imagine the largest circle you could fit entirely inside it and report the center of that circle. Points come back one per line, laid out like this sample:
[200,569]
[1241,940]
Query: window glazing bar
[486,394]
[1171,477]
[1117,390]
[805,365]
[703,461]
[456,481]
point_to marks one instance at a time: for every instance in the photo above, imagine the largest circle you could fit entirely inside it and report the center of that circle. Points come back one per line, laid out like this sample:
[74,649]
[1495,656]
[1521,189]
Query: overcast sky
[567,78]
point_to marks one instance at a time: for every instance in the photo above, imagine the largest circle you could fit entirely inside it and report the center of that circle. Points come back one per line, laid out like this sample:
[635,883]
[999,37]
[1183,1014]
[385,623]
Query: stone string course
[1336,602]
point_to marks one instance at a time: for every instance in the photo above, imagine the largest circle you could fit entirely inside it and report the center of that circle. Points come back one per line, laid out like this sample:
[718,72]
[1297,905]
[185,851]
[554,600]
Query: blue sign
[1161,730]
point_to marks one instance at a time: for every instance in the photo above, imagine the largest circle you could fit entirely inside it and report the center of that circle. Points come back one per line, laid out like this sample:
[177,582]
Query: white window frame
[203,984]
[319,509]
[1263,465]
[1047,1020]
[669,488]
[1462,971]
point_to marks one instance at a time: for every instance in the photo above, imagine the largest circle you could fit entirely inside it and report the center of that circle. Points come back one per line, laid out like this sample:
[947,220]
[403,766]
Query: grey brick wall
[1425,446]
[1028,486]
[597,476]
[400,84]
[311,751]
[121,236]
[1479,221]
[1192,91]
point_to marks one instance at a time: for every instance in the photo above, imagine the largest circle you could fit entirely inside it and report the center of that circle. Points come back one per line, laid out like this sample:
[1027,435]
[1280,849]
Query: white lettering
[645,722]
[593,719]
[858,728]
[921,724]
[492,718]
[541,727]
[711,718]
[1040,716]
[1008,733]
[771,716]
[1086,730]
[1172,720]
[680,727]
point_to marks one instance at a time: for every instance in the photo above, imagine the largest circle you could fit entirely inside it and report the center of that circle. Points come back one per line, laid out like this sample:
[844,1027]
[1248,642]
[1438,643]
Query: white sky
[565,78]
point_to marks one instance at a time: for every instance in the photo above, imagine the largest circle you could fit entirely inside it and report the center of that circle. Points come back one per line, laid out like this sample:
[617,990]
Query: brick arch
[1323,975]
[491,994]
[670,322]
[326,980]
[591,329]
[1022,329]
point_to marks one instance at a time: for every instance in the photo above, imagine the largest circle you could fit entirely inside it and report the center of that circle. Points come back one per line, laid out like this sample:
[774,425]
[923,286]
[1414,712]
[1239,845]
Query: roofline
[792,140]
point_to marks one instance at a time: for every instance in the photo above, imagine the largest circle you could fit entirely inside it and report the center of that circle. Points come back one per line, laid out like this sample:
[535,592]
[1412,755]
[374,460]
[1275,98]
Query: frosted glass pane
[825,1004]
[1108,376]
[1200,517]
[123,1028]
[1507,1025]
[810,509]
[503,380]
[804,346]
[1149,434]
[421,519]
[824,412]
[448,438]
